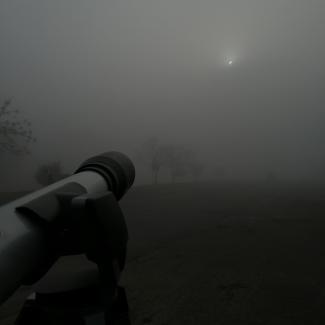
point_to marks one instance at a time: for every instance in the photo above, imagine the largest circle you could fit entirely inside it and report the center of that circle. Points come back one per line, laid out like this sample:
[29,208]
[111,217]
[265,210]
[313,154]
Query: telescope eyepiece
[116,168]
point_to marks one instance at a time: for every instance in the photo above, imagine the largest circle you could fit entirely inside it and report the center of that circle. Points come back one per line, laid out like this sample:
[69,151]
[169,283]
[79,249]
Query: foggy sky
[99,75]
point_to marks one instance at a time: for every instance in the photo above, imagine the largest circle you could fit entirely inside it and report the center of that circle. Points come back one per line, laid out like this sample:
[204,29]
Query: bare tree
[183,162]
[156,164]
[196,169]
[178,159]
[151,154]
[15,132]
[49,173]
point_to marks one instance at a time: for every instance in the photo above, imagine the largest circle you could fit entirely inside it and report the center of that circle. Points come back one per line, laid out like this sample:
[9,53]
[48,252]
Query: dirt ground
[219,254]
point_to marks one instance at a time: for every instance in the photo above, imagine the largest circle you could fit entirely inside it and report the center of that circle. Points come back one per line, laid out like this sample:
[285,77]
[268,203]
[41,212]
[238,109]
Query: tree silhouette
[195,169]
[177,159]
[15,132]
[150,154]
[157,155]
[49,173]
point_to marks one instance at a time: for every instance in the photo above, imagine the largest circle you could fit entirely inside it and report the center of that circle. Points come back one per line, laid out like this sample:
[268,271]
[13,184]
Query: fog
[100,75]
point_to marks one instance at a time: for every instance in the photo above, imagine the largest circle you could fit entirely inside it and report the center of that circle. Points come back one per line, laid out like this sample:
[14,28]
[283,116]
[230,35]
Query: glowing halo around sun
[229,61]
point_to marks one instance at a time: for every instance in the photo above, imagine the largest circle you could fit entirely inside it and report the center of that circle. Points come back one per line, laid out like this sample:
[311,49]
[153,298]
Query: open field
[220,254]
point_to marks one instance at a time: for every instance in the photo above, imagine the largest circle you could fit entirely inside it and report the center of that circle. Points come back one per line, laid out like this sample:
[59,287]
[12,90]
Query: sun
[229,61]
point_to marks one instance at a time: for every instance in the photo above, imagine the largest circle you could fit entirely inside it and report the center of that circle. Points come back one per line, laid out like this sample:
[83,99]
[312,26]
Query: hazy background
[99,75]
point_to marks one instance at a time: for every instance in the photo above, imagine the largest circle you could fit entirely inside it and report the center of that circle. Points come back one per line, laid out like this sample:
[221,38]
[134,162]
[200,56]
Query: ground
[220,254]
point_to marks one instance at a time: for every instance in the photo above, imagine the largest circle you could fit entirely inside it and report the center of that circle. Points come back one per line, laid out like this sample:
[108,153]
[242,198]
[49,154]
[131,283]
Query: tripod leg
[119,313]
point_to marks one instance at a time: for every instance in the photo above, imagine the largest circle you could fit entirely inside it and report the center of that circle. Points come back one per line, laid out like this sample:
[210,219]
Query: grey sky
[99,75]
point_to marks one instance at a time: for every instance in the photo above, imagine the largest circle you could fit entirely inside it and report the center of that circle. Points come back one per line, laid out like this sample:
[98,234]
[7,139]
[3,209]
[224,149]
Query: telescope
[77,215]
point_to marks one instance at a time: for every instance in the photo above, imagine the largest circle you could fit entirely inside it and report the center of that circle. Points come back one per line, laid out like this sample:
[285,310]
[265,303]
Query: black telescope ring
[116,168]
